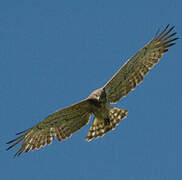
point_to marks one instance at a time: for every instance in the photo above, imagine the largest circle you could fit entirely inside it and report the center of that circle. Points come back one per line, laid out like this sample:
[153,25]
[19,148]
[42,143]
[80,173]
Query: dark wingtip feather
[17,154]
[13,140]
[158,35]
[167,26]
[171,40]
[23,131]
[17,140]
[166,37]
[169,45]
[9,142]
[164,33]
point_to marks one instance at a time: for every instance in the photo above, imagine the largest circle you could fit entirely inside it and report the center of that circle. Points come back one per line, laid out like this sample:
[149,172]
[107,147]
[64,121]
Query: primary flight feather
[64,122]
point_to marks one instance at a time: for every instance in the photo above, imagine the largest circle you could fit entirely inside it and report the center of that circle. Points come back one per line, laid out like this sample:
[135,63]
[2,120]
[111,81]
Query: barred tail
[101,126]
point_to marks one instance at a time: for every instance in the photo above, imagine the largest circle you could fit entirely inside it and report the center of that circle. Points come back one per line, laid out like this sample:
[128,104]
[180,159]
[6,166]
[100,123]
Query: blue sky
[55,53]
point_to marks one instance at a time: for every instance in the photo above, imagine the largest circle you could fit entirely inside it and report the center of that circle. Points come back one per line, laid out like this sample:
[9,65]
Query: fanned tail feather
[99,127]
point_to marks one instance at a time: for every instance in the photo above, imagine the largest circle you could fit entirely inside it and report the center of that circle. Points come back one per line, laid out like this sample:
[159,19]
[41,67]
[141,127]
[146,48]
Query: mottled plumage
[64,122]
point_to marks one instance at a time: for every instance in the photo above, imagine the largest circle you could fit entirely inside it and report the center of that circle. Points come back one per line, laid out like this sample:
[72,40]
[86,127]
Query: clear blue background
[55,53]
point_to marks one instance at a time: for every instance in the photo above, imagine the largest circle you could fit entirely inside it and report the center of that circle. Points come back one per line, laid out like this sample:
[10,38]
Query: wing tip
[165,32]
[16,141]
[165,38]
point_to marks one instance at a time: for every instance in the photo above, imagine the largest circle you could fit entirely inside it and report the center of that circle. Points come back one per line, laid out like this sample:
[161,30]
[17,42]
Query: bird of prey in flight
[64,122]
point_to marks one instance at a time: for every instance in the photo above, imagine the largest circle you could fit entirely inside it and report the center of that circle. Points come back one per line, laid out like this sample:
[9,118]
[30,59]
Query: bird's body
[64,122]
[106,117]
[99,104]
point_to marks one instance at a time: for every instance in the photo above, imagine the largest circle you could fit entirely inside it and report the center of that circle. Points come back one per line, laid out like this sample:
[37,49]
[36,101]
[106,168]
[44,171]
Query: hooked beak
[98,98]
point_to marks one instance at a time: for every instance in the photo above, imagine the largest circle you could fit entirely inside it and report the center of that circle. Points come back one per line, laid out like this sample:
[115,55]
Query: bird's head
[98,95]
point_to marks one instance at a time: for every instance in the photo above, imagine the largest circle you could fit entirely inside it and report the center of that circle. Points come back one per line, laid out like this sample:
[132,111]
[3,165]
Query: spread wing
[61,125]
[137,67]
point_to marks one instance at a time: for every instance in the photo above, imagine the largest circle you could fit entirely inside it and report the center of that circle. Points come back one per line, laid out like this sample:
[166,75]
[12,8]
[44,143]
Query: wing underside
[61,125]
[136,68]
